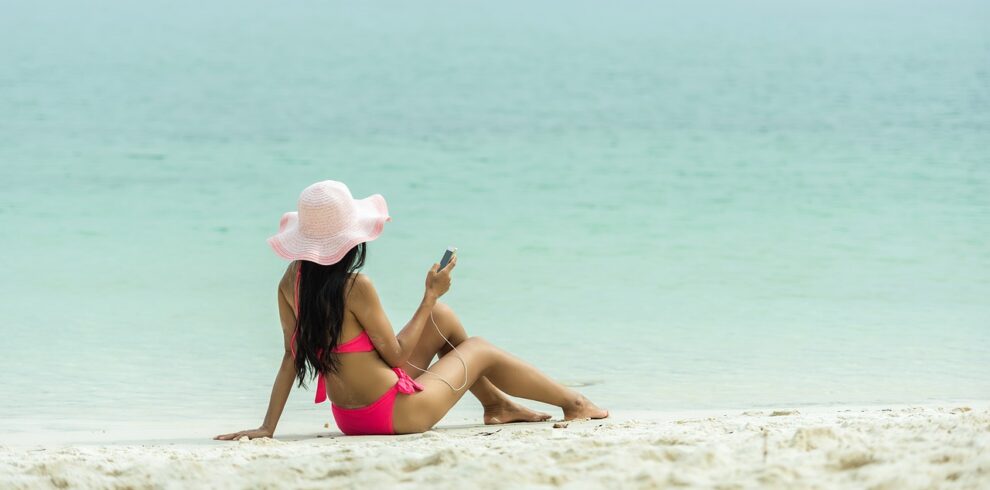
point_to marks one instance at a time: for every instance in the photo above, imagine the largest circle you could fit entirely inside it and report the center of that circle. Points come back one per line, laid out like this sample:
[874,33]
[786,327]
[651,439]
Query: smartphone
[446,257]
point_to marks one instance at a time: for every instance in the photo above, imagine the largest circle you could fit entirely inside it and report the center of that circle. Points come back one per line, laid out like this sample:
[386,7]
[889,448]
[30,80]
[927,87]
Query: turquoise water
[680,205]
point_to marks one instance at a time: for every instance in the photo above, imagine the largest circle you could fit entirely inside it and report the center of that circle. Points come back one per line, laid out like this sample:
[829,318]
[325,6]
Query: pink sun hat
[328,224]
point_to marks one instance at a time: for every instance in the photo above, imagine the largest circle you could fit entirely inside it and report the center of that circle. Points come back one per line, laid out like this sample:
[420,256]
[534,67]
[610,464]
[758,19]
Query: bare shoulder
[361,284]
[361,292]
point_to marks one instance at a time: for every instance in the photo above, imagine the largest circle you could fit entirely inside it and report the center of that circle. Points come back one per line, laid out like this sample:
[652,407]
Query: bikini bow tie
[405,384]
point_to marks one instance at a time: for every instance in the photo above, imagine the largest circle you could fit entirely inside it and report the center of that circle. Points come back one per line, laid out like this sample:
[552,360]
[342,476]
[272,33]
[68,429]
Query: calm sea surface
[680,205]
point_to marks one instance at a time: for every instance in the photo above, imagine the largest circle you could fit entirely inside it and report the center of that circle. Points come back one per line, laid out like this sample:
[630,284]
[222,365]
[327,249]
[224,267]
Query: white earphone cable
[458,354]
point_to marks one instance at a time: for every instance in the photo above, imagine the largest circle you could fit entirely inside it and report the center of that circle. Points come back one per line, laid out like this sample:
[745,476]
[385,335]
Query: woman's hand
[438,283]
[251,434]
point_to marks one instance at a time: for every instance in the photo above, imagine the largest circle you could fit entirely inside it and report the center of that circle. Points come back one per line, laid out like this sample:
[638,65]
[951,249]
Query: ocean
[670,205]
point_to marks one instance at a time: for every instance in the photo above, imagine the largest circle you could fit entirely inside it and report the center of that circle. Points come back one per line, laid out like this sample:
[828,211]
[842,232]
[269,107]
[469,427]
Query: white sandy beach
[945,446]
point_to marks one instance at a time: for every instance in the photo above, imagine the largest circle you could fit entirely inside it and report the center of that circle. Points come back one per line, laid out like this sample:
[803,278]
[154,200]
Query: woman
[333,325]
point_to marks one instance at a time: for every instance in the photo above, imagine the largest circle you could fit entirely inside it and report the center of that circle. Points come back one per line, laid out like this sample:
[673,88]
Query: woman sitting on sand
[333,325]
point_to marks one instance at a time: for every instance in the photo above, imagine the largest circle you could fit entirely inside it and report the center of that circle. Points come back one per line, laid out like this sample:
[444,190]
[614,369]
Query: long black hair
[321,312]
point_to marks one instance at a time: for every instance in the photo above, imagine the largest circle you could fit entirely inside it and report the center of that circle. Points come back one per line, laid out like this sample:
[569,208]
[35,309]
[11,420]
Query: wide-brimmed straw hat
[328,223]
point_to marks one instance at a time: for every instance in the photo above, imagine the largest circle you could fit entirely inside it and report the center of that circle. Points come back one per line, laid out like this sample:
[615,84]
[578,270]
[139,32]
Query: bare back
[361,377]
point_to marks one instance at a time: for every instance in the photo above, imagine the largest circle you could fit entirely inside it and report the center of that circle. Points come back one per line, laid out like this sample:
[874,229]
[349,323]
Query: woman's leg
[499,408]
[420,411]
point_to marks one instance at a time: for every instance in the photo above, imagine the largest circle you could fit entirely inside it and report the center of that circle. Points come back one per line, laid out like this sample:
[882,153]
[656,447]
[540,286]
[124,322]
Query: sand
[882,448]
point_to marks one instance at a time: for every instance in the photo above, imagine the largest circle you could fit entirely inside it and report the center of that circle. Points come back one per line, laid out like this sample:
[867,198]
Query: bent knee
[442,309]
[477,343]
[444,316]
[448,323]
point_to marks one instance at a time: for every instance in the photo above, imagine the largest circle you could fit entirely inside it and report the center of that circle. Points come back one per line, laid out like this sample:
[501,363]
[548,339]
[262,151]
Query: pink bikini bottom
[377,417]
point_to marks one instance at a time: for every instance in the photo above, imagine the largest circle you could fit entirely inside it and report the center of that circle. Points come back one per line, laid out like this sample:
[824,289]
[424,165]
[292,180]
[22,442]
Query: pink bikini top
[361,343]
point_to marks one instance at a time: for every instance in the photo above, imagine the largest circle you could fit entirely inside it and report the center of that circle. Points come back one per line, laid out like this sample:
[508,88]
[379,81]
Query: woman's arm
[283,380]
[396,349]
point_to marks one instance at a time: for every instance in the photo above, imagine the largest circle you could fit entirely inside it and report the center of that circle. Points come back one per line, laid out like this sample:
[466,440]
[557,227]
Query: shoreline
[887,446]
[313,424]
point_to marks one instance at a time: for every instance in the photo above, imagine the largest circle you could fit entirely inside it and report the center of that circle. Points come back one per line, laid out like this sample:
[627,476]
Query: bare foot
[582,408]
[510,411]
